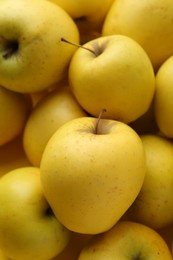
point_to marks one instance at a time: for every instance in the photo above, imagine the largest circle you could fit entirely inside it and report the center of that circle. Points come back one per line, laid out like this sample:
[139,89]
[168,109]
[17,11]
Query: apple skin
[28,228]
[55,109]
[127,240]
[91,179]
[153,205]
[163,105]
[117,77]
[148,22]
[31,32]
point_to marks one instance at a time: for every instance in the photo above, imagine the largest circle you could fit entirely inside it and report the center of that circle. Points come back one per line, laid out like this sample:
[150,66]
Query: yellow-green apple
[28,228]
[86,13]
[49,114]
[15,108]
[12,155]
[32,55]
[154,204]
[116,74]
[92,170]
[163,105]
[150,23]
[127,240]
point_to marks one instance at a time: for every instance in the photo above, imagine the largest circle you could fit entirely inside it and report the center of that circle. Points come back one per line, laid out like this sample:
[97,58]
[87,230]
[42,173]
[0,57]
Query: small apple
[32,55]
[154,204]
[28,228]
[49,114]
[115,74]
[15,109]
[127,240]
[92,170]
[163,105]
[149,23]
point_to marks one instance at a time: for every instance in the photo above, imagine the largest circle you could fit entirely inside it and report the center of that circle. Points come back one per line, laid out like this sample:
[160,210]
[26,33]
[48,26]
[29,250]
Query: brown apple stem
[78,45]
[98,120]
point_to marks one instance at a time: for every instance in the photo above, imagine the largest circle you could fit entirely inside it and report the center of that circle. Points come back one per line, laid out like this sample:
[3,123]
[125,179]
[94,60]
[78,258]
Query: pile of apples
[86,128]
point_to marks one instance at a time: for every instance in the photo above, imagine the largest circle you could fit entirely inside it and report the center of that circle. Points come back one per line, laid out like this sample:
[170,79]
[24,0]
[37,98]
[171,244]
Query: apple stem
[98,120]
[78,45]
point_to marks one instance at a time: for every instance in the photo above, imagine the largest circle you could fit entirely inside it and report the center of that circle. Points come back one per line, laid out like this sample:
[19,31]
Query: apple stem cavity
[98,120]
[78,45]
[9,47]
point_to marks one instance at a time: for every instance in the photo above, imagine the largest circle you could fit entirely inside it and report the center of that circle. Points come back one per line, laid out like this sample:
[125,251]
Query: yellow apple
[127,240]
[163,105]
[47,116]
[15,108]
[91,172]
[150,23]
[154,204]
[33,57]
[115,74]
[28,228]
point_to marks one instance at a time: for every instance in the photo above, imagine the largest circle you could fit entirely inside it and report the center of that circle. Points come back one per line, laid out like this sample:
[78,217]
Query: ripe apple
[91,172]
[127,240]
[154,204]
[15,108]
[32,55]
[115,74]
[163,105]
[54,110]
[28,228]
[150,23]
